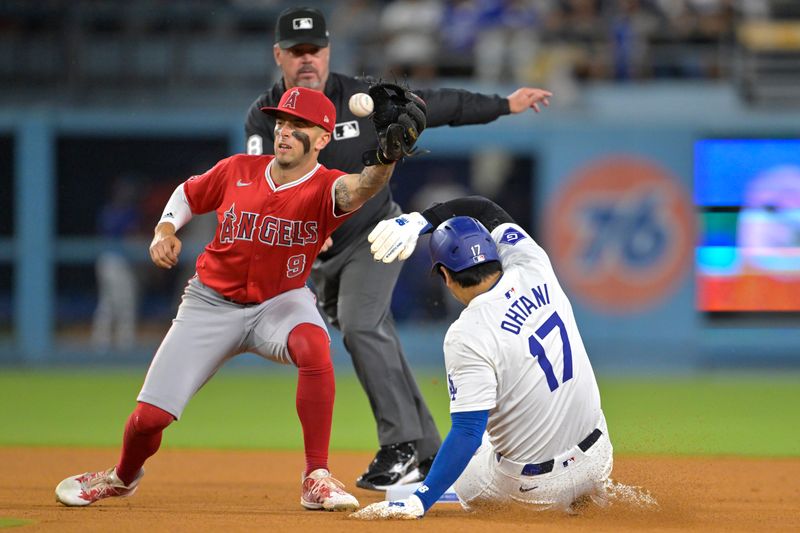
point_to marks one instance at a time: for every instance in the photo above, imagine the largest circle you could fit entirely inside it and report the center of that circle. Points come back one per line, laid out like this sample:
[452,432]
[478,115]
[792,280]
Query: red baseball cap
[307,104]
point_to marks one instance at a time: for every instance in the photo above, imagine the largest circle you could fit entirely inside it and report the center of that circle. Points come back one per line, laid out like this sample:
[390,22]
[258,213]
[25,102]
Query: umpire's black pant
[354,293]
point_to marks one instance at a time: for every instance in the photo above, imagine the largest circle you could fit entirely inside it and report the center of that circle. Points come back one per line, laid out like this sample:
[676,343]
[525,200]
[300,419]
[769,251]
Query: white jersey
[516,351]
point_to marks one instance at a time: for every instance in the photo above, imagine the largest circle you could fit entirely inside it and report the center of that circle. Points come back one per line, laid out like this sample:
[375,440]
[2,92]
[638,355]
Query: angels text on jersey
[269,230]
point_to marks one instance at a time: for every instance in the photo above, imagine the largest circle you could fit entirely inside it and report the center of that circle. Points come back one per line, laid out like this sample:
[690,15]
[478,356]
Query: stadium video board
[747,193]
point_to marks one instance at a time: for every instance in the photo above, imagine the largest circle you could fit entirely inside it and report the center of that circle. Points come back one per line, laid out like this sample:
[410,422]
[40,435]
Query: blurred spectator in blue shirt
[115,317]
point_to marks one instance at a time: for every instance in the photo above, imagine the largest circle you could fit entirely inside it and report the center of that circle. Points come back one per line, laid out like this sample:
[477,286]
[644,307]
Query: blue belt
[536,469]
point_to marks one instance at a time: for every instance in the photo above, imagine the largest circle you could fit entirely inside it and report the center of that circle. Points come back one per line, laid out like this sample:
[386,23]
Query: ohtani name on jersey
[523,307]
[269,230]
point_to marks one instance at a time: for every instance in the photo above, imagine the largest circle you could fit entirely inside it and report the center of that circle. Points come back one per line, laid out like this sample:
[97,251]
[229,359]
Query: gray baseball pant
[209,330]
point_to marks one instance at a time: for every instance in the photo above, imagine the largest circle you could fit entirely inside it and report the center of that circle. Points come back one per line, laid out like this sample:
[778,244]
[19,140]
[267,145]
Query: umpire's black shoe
[424,467]
[394,464]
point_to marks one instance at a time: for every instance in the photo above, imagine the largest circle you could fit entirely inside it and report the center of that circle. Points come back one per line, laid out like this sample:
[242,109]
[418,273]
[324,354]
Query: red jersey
[267,235]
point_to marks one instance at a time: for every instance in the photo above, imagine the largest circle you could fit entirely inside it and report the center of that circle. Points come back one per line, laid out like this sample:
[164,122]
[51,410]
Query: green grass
[13,522]
[755,416]
[731,415]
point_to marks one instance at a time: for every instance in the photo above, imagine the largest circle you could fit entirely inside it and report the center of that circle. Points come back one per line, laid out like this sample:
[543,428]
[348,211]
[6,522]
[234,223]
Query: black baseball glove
[399,118]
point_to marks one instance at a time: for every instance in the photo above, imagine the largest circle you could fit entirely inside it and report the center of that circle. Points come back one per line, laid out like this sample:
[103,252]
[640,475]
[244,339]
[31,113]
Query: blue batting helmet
[460,243]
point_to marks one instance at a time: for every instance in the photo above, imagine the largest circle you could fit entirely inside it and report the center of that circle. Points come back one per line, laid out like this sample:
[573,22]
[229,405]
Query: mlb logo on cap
[302,24]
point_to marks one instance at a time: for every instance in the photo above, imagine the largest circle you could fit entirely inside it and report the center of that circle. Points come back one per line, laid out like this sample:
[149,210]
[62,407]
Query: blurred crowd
[497,40]
[549,42]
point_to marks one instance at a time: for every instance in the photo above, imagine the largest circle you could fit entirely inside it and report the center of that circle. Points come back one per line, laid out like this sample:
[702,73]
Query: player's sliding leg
[141,440]
[309,348]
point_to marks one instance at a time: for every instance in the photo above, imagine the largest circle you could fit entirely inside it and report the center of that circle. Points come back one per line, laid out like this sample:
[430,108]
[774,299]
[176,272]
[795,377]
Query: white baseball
[361,104]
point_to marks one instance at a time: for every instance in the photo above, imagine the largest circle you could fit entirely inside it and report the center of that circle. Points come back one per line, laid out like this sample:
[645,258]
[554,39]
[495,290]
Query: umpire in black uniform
[353,291]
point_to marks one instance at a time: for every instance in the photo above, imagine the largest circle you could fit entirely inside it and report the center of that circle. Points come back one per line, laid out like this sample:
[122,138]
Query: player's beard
[292,160]
[288,161]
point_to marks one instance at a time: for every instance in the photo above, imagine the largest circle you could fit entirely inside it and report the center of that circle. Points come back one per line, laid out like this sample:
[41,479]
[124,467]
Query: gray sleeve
[456,107]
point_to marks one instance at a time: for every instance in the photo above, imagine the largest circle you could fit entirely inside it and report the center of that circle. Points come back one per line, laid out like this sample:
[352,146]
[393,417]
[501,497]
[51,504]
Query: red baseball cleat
[322,491]
[87,488]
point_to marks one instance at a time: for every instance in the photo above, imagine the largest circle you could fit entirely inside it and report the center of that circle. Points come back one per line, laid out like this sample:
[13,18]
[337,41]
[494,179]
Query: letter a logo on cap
[291,101]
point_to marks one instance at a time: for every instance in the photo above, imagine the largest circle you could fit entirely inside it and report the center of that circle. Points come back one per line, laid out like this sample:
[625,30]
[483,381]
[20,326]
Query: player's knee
[148,419]
[309,346]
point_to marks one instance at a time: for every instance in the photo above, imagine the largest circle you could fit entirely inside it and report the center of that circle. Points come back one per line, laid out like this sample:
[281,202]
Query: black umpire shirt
[353,136]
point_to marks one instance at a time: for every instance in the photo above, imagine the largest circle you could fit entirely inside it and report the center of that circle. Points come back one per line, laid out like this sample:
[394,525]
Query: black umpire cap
[301,25]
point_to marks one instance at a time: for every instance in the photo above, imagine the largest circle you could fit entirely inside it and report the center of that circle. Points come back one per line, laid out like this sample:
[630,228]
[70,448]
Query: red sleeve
[205,192]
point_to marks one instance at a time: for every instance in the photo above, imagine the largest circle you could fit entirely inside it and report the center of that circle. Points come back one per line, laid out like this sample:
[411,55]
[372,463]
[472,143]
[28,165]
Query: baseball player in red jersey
[274,214]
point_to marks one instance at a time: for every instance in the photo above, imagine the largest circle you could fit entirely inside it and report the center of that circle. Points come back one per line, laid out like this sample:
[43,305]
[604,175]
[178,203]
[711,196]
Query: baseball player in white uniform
[527,426]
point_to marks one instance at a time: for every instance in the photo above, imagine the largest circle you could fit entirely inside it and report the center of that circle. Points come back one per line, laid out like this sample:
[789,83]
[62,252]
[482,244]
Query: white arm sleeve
[177,211]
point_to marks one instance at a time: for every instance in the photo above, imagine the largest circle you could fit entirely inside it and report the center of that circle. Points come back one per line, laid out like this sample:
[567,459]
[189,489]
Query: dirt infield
[259,491]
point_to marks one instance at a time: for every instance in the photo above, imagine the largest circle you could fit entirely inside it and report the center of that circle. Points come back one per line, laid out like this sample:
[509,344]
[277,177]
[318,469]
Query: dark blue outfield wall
[614,205]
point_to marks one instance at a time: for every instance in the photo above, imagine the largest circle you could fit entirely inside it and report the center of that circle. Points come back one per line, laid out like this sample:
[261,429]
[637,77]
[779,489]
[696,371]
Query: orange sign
[621,234]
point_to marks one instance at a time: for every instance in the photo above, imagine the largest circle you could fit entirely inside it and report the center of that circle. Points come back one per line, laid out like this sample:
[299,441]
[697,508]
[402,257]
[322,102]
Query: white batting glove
[409,509]
[397,237]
